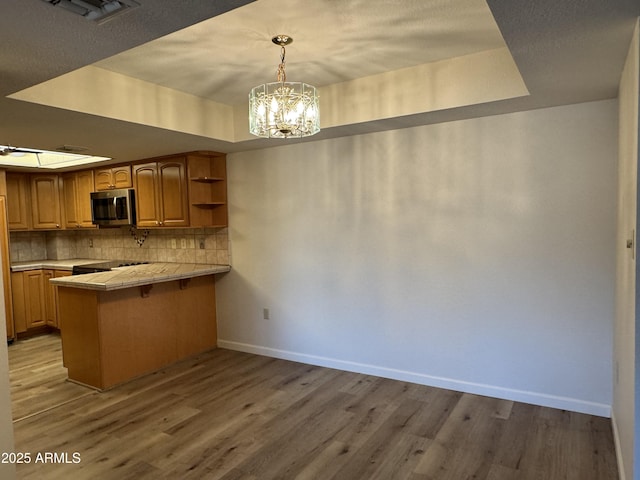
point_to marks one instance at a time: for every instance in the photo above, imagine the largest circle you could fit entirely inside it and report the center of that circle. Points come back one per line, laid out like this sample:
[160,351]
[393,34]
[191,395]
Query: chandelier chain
[282,76]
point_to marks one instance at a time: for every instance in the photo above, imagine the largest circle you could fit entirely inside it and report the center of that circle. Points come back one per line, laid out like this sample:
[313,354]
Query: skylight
[46,159]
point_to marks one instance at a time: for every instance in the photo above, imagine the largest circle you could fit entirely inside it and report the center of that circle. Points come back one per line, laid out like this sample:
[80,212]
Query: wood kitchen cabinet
[110,337]
[161,193]
[35,300]
[114,177]
[19,307]
[207,172]
[45,202]
[76,196]
[18,201]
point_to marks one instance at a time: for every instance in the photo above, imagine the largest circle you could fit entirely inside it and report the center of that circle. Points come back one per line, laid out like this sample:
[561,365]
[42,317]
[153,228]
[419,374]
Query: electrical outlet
[265,313]
[183,243]
[201,244]
[91,243]
[173,243]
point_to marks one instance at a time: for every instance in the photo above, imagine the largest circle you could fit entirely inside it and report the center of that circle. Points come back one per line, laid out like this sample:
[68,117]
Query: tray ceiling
[167,78]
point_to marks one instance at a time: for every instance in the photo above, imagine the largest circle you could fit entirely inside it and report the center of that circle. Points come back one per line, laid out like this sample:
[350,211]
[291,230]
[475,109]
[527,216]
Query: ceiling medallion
[284,109]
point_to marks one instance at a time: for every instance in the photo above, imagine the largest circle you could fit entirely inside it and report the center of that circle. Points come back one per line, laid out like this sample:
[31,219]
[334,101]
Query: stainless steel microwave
[113,208]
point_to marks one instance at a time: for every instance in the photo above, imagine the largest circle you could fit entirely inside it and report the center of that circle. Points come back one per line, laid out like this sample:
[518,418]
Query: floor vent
[97,10]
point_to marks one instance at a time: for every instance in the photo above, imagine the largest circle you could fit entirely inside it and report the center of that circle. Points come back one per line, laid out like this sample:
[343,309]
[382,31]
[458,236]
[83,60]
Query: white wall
[624,397]
[477,255]
[7,470]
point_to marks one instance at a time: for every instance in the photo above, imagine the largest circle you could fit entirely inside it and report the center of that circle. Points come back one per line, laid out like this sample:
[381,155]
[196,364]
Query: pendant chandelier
[283,109]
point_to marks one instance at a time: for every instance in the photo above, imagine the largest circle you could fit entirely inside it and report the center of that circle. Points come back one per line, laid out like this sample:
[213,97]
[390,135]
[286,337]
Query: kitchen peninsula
[120,324]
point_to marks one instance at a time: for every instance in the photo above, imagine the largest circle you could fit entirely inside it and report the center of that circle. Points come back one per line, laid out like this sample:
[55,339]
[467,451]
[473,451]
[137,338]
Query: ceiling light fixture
[284,109]
[98,10]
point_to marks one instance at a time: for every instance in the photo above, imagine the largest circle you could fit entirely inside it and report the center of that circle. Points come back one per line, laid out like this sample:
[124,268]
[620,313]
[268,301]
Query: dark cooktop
[104,266]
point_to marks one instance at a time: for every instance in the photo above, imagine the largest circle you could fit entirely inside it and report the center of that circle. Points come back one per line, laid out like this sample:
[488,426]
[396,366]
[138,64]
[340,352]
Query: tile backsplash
[187,245]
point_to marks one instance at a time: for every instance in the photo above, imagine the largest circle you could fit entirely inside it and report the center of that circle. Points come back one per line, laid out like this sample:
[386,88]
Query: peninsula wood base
[109,337]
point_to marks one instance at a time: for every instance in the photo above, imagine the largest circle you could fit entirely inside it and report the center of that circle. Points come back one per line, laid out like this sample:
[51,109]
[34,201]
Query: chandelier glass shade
[284,109]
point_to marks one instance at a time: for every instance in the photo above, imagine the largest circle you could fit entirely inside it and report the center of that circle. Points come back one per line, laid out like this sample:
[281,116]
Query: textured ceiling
[566,51]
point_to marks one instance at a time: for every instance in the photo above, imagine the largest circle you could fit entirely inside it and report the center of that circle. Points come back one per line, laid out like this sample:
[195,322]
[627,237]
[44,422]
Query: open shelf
[207,179]
[207,174]
[208,204]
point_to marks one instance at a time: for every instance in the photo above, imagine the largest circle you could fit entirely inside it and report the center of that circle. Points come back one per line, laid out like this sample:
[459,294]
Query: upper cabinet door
[18,211]
[103,179]
[173,193]
[45,202]
[84,187]
[115,177]
[76,199]
[69,200]
[145,182]
[121,176]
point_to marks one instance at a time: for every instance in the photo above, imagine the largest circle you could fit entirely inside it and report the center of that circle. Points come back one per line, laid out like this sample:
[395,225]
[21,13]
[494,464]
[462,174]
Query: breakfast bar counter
[50,264]
[117,325]
[137,275]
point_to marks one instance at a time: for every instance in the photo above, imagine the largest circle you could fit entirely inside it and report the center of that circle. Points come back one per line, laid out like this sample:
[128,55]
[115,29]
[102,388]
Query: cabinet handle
[161,223]
[157,222]
[57,225]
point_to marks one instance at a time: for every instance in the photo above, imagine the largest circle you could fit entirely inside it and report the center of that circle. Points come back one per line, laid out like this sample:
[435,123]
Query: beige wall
[477,255]
[133,100]
[7,471]
[625,348]
[466,80]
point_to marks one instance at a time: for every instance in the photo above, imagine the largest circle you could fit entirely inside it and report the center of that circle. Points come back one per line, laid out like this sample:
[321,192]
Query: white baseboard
[563,403]
[618,447]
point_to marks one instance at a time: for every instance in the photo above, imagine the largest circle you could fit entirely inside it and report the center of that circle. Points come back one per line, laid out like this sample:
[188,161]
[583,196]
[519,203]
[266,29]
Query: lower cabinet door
[35,298]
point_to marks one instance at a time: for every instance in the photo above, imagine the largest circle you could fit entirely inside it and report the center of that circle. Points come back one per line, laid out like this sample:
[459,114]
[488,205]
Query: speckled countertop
[137,275]
[121,277]
[52,264]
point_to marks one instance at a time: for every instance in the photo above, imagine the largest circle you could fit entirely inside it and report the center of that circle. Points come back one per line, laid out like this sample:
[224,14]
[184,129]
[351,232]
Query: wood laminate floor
[37,377]
[235,416]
